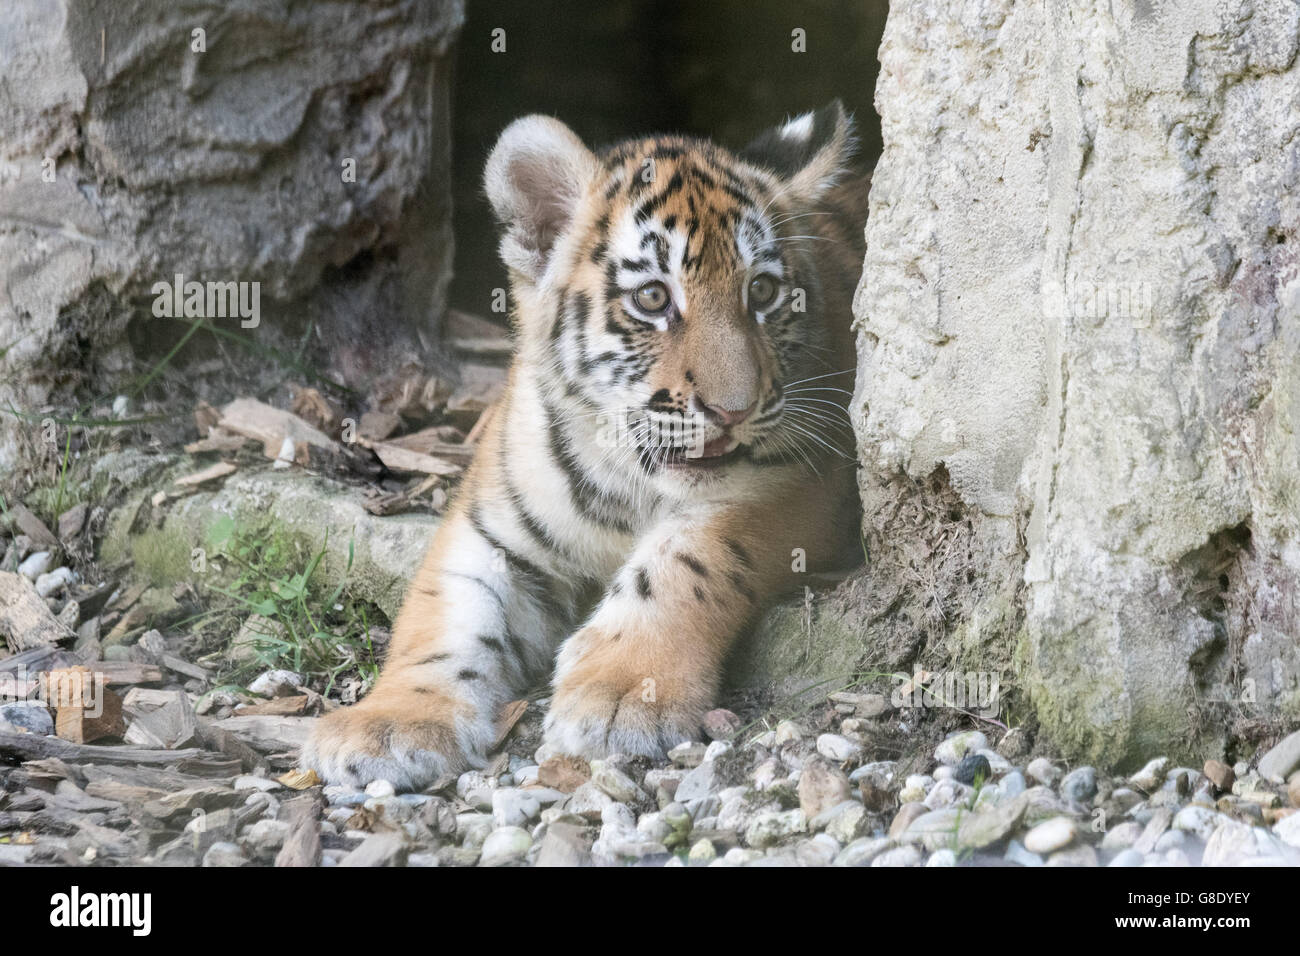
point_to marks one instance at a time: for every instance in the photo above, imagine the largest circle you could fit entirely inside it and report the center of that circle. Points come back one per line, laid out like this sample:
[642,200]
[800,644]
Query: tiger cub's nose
[727,418]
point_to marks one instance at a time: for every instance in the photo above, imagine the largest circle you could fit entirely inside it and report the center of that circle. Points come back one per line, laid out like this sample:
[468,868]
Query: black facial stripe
[643,584]
[648,207]
[492,643]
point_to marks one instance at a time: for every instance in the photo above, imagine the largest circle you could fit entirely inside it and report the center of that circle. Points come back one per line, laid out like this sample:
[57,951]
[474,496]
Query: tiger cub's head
[691,302]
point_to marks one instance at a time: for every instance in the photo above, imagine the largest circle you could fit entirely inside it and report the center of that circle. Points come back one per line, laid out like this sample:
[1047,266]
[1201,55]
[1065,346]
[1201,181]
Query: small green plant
[310,627]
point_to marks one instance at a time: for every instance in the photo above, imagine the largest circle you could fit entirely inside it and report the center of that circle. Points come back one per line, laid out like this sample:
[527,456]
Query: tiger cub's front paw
[396,737]
[604,704]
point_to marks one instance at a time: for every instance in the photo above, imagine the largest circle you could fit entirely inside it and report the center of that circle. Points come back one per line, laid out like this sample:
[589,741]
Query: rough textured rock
[1079,310]
[222,164]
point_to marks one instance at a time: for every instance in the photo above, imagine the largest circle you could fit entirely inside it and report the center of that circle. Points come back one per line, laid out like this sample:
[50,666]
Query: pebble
[1043,771]
[380,788]
[564,773]
[265,836]
[688,755]
[1050,835]
[1013,784]
[1080,785]
[788,732]
[942,858]
[702,853]
[1082,855]
[512,807]
[1198,820]
[698,784]
[1288,830]
[769,828]
[615,782]
[976,831]
[900,856]
[1280,761]
[276,683]
[717,749]
[35,565]
[837,748]
[850,822]
[934,830]
[1016,853]
[1129,857]
[973,767]
[1151,776]
[822,785]
[31,717]
[1121,836]
[862,851]
[52,582]
[250,782]
[721,724]
[1230,844]
[906,815]
[223,854]
[952,750]
[505,846]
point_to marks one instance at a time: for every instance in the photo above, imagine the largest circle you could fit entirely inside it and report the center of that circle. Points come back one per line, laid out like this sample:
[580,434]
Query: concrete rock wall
[133,148]
[1081,300]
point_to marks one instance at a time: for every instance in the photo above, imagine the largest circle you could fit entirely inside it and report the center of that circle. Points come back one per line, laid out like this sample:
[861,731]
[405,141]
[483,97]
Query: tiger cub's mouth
[716,453]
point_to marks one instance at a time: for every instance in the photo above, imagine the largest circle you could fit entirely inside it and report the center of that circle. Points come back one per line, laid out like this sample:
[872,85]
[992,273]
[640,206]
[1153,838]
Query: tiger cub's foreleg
[470,635]
[638,677]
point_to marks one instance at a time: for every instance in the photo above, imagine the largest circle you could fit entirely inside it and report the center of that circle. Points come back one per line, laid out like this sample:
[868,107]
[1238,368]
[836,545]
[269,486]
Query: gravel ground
[792,795]
[194,775]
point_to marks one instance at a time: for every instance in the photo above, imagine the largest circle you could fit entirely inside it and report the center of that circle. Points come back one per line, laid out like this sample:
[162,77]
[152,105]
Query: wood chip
[31,747]
[218,441]
[126,673]
[302,843]
[429,441]
[312,407]
[398,458]
[271,426]
[377,426]
[507,717]
[171,725]
[294,706]
[26,623]
[205,417]
[212,473]
[182,666]
[85,710]
[33,527]
[270,734]
[72,521]
[214,737]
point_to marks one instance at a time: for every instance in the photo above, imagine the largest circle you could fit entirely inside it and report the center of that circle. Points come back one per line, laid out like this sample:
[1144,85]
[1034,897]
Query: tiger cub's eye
[652,298]
[762,291]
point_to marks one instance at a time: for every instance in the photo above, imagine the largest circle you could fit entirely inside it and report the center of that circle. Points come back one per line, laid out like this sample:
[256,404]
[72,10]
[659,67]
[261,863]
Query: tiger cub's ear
[535,177]
[809,152]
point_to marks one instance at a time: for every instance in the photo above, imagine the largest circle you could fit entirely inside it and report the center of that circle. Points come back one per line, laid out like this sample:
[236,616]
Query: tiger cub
[670,451]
